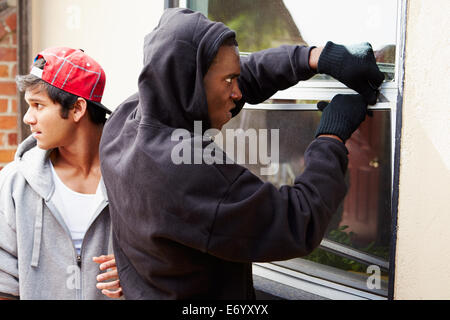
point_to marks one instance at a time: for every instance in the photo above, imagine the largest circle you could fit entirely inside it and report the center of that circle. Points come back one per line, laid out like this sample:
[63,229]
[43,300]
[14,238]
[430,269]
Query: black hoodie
[192,231]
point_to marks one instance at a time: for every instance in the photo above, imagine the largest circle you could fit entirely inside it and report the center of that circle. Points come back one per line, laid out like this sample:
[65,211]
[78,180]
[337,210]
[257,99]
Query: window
[353,259]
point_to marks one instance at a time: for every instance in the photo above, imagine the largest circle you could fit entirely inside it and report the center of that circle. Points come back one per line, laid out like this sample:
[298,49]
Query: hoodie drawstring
[37,235]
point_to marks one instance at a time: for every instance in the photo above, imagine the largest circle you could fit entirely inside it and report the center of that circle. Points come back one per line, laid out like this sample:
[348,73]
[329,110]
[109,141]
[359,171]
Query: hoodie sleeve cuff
[305,71]
[336,142]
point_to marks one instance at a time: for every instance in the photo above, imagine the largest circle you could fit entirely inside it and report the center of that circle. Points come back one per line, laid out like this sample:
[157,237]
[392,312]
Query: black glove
[342,116]
[355,66]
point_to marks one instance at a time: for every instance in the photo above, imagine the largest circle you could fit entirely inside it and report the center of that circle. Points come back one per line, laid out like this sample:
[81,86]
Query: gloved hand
[355,66]
[342,116]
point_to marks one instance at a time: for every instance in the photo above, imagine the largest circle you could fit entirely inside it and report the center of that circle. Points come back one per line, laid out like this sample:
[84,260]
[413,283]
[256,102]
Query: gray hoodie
[37,257]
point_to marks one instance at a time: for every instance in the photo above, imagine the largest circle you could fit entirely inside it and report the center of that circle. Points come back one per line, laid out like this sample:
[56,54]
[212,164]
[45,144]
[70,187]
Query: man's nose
[29,117]
[236,94]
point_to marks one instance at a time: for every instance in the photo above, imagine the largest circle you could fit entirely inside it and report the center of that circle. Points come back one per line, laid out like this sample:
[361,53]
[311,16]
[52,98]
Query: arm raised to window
[265,72]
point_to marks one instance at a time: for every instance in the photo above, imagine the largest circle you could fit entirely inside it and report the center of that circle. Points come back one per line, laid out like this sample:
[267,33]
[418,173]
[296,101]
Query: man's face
[44,118]
[221,85]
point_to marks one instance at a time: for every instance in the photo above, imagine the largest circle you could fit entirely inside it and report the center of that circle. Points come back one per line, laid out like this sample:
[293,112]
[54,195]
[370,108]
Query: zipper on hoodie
[78,262]
[80,265]
[76,256]
[79,256]
[80,291]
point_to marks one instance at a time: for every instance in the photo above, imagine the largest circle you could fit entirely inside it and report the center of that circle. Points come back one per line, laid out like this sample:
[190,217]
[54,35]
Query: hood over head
[154,201]
[177,55]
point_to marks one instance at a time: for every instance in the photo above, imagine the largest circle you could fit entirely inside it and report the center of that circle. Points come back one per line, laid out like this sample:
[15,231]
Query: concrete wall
[423,250]
[116,43]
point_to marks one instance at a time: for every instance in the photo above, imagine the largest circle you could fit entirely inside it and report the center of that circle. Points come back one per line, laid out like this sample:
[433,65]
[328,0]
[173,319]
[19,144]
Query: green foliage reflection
[259,24]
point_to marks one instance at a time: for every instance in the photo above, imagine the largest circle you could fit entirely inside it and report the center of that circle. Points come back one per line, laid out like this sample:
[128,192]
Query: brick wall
[8,92]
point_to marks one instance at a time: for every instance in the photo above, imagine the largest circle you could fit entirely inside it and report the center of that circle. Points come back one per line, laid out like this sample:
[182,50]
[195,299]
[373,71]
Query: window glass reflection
[363,220]
[269,23]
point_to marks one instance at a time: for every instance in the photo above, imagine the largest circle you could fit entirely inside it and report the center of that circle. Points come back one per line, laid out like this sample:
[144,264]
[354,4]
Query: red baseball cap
[73,71]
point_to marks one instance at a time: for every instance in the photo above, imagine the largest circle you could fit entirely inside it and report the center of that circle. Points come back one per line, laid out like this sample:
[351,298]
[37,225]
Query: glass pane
[268,23]
[363,220]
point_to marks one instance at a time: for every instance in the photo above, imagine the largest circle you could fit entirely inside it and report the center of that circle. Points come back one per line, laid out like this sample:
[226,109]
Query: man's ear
[79,109]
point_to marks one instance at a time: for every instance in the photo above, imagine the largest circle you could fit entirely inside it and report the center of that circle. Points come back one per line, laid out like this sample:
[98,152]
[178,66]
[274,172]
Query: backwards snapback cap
[72,71]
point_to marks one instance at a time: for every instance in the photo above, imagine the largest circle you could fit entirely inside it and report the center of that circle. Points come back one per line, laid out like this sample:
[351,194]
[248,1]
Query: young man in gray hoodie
[54,219]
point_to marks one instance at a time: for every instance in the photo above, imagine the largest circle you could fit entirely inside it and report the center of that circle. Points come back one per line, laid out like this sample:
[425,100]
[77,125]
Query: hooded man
[192,230]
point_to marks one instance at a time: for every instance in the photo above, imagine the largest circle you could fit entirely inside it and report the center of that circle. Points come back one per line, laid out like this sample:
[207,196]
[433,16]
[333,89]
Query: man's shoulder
[9,177]
[8,174]
[27,151]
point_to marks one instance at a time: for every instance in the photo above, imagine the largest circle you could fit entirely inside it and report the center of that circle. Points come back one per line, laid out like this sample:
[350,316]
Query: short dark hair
[65,99]
[230,42]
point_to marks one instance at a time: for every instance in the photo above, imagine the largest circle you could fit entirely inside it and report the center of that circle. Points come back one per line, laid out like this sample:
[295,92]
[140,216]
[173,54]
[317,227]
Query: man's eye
[229,80]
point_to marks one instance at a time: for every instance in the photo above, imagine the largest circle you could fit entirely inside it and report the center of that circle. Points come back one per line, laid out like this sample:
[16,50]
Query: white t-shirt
[76,208]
